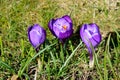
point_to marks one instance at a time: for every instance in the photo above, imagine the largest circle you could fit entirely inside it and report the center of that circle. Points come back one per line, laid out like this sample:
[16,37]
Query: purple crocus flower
[36,35]
[91,36]
[62,28]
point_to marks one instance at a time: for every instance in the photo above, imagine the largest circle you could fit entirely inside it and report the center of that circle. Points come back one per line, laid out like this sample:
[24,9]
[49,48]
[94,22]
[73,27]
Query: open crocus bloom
[36,35]
[91,36]
[62,28]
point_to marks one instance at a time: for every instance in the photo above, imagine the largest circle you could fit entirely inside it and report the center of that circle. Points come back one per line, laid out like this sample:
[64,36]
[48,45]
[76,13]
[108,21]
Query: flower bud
[36,35]
[91,36]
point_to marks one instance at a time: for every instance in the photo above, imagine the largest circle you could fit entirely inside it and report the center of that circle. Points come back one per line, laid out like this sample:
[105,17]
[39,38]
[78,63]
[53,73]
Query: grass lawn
[18,59]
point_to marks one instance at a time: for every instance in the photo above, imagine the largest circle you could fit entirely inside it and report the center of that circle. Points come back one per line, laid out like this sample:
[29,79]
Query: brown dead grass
[104,13]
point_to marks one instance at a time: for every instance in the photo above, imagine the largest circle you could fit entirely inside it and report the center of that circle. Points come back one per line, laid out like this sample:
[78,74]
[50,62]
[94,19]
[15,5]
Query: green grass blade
[22,48]
[108,57]
[27,63]
[98,66]
[68,59]
[1,48]
[106,53]
[62,52]
[54,60]
[6,65]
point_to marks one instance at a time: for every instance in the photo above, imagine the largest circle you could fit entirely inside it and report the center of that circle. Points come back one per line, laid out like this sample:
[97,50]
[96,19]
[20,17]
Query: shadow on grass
[75,38]
[114,39]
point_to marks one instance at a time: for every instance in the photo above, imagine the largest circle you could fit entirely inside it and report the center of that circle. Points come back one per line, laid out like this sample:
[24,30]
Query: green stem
[62,52]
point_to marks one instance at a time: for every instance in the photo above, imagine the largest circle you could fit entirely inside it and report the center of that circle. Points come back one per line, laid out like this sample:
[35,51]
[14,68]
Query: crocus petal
[94,27]
[84,34]
[50,26]
[34,38]
[66,17]
[97,38]
[59,23]
[67,34]
[36,35]
[94,42]
[61,28]
[90,34]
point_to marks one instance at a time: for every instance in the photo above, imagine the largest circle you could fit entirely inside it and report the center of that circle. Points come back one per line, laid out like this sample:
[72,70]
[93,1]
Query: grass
[18,58]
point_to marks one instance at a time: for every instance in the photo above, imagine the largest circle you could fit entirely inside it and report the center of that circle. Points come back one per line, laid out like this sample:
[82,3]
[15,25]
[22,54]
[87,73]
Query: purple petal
[94,27]
[83,34]
[97,38]
[94,42]
[58,28]
[66,17]
[61,22]
[90,51]
[36,35]
[90,34]
[65,35]
[50,25]
[62,27]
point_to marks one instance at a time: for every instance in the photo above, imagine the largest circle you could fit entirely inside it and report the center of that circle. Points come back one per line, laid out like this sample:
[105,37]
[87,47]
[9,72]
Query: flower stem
[62,52]
[91,62]
[39,64]
[38,59]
